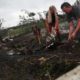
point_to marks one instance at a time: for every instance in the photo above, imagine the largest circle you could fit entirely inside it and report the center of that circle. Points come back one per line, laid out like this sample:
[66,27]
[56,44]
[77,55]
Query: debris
[42,60]
[11,52]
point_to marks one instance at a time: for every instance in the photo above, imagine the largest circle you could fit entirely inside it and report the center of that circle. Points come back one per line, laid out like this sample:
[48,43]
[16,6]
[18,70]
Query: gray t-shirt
[74,14]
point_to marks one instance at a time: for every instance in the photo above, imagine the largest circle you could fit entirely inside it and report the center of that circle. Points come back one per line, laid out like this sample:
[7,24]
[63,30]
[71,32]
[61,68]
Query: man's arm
[70,30]
[78,27]
[76,30]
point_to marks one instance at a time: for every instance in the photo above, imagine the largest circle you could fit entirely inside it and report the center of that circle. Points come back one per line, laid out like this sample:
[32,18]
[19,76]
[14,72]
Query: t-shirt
[74,14]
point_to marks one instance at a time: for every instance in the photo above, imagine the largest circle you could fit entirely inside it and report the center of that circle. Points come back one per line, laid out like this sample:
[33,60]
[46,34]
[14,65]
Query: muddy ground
[32,62]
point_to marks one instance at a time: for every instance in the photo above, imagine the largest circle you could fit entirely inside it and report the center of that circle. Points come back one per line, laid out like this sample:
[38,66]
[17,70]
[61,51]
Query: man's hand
[73,35]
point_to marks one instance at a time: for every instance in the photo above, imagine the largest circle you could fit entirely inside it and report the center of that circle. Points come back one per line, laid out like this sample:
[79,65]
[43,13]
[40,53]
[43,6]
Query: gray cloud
[9,9]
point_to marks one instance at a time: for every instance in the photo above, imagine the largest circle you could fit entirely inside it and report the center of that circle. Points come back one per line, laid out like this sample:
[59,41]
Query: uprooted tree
[27,17]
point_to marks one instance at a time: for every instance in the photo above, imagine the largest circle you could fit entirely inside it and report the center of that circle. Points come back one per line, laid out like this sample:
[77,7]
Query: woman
[52,21]
[52,26]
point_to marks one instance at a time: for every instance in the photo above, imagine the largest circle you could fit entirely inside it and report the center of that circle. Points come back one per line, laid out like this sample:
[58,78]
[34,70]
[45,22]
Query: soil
[34,61]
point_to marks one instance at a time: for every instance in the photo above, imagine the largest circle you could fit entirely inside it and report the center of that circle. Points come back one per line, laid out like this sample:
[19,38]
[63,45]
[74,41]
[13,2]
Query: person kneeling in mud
[37,33]
[52,23]
[73,13]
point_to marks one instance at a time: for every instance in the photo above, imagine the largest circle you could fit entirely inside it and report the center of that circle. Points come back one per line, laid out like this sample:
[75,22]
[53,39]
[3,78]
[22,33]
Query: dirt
[36,63]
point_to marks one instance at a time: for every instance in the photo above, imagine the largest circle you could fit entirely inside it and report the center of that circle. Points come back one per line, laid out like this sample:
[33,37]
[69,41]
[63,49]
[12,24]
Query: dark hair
[65,4]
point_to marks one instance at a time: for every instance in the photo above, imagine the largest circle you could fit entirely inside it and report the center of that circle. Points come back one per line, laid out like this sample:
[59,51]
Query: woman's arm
[57,23]
[47,26]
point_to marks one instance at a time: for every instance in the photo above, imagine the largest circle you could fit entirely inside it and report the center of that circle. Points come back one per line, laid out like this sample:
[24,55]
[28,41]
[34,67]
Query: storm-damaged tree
[27,17]
[77,3]
[40,16]
[1,22]
[23,18]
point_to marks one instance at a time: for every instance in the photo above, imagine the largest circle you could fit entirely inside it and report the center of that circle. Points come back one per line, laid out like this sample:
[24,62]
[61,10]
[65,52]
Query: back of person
[74,14]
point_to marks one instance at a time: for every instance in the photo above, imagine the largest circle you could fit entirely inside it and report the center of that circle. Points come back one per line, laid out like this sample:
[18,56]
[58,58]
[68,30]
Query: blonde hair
[49,18]
[53,8]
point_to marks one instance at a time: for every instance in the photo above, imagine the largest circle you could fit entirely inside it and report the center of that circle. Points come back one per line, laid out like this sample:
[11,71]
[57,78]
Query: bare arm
[70,30]
[57,23]
[78,26]
[47,26]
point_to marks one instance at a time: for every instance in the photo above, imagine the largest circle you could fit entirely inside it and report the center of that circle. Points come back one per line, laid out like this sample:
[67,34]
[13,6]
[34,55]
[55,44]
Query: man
[73,13]
[51,21]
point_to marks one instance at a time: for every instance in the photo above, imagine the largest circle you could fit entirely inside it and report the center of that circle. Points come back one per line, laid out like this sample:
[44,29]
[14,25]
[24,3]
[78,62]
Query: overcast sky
[10,9]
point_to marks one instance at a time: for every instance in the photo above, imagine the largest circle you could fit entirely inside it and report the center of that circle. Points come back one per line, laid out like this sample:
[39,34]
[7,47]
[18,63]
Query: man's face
[67,9]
